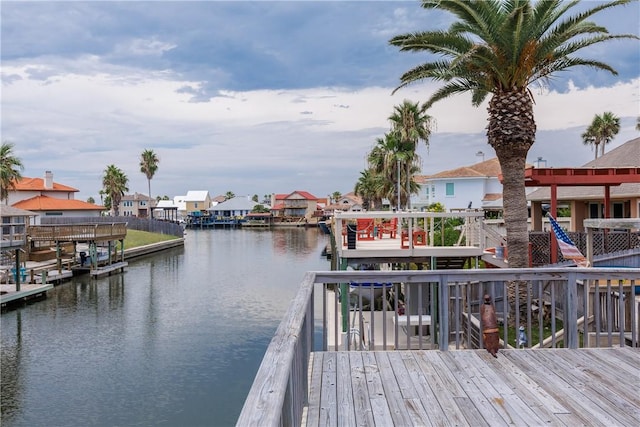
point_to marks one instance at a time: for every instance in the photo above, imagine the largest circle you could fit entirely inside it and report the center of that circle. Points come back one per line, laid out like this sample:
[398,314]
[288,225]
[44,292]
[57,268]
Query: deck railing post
[571,312]
[443,312]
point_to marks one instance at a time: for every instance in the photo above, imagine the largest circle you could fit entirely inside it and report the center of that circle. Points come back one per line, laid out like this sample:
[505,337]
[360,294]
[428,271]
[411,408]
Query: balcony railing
[559,307]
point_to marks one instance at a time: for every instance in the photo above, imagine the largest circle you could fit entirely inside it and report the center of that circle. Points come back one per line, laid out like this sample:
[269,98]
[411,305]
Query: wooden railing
[563,304]
[78,232]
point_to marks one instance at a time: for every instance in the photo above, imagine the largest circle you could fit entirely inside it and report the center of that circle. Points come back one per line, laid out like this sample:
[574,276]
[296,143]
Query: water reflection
[176,340]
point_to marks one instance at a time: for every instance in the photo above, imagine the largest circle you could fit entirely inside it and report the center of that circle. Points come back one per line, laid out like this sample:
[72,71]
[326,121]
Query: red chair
[365,229]
[389,228]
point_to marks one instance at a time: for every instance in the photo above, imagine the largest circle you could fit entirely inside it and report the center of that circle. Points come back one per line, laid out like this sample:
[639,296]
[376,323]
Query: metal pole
[17,270]
[398,167]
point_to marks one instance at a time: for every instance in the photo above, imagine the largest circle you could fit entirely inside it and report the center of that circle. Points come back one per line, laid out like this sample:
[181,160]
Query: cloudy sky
[256,97]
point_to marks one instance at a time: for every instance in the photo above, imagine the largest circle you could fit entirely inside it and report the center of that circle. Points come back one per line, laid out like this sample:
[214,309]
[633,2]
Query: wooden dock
[27,292]
[108,270]
[471,388]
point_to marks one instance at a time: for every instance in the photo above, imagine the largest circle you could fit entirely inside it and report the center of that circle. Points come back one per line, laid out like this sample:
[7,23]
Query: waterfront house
[296,206]
[237,208]
[475,186]
[47,198]
[588,201]
[138,205]
[197,202]
[349,202]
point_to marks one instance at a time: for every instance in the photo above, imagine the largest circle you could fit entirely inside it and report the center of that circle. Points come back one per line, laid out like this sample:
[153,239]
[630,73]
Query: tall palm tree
[601,131]
[413,125]
[115,182]
[501,48]
[10,170]
[149,166]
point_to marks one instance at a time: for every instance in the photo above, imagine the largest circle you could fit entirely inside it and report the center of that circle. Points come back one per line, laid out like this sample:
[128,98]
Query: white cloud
[247,97]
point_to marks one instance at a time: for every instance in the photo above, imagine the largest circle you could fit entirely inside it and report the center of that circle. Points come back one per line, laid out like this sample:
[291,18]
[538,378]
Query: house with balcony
[138,205]
[47,198]
[295,206]
[475,186]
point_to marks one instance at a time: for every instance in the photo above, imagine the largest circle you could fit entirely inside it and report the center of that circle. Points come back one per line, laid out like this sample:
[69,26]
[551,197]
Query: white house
[475,186]
[238,206]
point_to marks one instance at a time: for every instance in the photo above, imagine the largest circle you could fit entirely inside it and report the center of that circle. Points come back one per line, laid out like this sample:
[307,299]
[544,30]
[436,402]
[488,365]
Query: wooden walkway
[555,387]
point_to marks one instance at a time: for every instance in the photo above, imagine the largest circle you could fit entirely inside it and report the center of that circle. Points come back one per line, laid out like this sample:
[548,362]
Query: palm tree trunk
[150,204]
[512,139]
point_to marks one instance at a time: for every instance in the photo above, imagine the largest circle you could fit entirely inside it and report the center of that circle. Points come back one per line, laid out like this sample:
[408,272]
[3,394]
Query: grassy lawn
[137,238]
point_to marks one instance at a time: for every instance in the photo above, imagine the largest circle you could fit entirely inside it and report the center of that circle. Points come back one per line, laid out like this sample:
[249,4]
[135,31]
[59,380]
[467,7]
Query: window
[618,210]
[449,191]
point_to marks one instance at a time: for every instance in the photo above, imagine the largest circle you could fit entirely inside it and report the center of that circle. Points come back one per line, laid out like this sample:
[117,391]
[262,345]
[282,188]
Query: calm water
[175,341]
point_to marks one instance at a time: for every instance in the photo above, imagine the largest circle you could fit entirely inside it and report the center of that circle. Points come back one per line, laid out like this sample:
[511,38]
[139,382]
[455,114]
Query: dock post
[17,276]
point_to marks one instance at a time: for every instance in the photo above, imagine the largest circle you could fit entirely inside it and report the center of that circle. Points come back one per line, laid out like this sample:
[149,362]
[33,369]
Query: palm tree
[229,195]
[413,125]
[501,48]
[114,182]
[149,166]
[336,195]
[601,131]
[367,187]
[10,170]
[386,160]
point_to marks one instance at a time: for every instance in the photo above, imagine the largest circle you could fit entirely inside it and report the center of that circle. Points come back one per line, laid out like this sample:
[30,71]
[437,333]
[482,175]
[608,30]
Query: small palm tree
[368,188]
[229,195]
[413,125]
[336,195]
[601,131]
[10,170]
[500,48]
[386,160]
[114,182]
[149,166]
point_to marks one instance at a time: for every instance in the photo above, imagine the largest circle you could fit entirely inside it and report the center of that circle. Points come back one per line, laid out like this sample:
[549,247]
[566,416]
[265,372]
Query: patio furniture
[389,228]
[365,229]
[419,238]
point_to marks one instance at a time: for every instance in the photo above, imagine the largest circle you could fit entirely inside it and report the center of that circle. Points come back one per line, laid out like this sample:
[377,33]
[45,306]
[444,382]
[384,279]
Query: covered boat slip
[585,373]
[101,240]
[472,388]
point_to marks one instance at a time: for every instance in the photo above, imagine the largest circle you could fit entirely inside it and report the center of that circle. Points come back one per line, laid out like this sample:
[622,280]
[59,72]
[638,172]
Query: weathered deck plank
[469,387]
[328,392]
